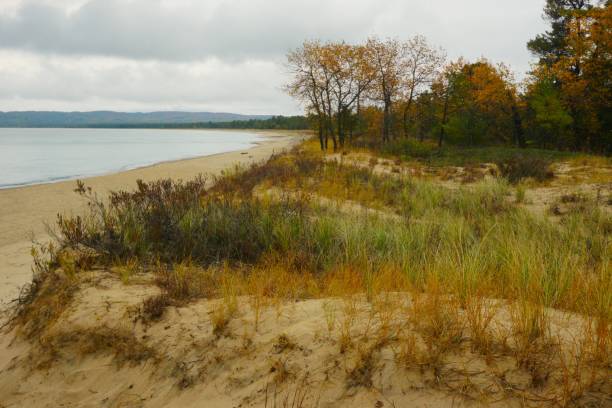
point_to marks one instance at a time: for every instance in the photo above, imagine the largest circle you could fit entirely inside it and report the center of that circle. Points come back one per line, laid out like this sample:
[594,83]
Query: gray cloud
[220,54]
[29,81]
[153,29]
[187,30]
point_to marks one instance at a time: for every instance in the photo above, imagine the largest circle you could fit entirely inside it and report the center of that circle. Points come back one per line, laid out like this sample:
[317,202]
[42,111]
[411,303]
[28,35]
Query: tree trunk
[444,119]
[358,118]
[351,124]
[340,127]
[518,127]
[321,139]
[406,113]
[387,120]
[330,128]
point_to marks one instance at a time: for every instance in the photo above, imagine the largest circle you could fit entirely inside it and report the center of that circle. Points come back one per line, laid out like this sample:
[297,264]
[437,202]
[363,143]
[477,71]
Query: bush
[516,168]
[411,149]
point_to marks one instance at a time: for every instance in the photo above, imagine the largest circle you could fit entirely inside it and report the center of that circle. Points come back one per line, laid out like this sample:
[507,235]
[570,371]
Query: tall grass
[471,239]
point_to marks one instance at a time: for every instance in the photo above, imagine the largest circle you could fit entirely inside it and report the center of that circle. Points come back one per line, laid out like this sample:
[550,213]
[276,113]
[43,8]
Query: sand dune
[100,353]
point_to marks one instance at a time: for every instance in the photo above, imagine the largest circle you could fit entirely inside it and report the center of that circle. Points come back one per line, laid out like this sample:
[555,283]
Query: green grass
[428,153]
[471,239]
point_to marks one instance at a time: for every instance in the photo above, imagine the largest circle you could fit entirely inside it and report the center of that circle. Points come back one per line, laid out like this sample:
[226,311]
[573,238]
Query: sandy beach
[25,210]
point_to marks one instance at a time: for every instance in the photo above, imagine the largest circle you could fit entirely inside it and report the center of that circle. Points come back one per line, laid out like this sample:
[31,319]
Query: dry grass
[460,271]
[120,343]
[360,375]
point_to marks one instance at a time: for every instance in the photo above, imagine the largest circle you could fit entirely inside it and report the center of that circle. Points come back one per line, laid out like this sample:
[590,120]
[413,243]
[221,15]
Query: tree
[551,46]
[447,90]
[352,75]
[422,63]
[305,84]
[388,61]
[425,114]
[580,71]
[494,96]
[478,104]
[549,120]
[330,79]
[585,76]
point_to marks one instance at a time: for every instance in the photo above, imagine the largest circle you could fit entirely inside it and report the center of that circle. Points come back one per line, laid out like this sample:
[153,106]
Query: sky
[221,55]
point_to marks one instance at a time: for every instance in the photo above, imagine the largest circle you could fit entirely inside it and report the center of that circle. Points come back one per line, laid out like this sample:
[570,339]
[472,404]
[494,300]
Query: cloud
[221,54]
[30,81]
[233,29]
[156,29]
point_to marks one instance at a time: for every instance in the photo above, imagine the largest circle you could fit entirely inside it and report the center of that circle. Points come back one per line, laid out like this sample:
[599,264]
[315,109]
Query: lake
[35,156]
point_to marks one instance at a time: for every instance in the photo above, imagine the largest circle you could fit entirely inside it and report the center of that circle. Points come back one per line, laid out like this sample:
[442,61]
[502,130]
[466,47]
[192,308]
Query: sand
[25,210]
[100,354]
[332,352]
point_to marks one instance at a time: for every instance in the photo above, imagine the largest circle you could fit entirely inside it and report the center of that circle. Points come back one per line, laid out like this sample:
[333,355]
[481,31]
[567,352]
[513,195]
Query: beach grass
[282,231]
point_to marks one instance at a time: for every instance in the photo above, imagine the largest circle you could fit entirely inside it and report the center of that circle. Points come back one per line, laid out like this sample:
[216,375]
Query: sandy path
[23,211]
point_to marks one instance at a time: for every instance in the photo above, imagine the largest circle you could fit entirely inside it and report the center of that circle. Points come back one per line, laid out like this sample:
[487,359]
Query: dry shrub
[347,322]
[579,378]
[283,343]
[361,374]
[411,352]
[329,310]
[42,303]
[479,313]
[436,317]
[224,310]
[386,308]
[521,167]
[292,397]
[121,343]
[533,345]
[221,316]
[281,371]
[345,280]
[153,308]
[185,281]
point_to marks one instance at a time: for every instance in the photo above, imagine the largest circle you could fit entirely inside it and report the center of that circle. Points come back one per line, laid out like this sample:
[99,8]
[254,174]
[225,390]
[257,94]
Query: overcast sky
[221,55]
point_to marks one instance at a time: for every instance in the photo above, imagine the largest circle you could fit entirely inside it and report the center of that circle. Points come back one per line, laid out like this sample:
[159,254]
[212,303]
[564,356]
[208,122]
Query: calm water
[33,156]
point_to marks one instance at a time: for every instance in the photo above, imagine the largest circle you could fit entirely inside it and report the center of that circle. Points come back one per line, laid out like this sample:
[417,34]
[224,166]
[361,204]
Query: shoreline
[261,133]
[25,210]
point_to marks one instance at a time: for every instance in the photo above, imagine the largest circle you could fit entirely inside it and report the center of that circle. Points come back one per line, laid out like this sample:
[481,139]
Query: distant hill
[117,119]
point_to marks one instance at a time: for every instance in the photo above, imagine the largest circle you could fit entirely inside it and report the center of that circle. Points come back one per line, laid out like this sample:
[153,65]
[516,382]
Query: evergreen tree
[551,46]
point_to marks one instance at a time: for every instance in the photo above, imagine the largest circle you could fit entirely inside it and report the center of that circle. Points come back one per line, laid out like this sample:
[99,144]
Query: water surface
[34,156]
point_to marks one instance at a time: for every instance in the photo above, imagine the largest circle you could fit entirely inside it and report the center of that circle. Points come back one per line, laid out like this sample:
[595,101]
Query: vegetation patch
[518,168]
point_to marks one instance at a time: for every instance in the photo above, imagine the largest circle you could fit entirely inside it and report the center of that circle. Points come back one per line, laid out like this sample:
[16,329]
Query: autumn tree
[352,75]
[477,103]
[550,46]
[307,84]
[579,70]
[448,92]
[421,64]
[388,61]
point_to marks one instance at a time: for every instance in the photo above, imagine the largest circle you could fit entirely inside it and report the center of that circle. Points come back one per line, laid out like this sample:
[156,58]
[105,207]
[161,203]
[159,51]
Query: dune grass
[472,239]
[455,250]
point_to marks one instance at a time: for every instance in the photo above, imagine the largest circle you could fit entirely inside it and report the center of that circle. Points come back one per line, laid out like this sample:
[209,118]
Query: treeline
[390,89]
[275,122]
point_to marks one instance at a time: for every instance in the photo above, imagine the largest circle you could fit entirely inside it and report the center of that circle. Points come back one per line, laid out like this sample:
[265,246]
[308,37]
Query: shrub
[519,167]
